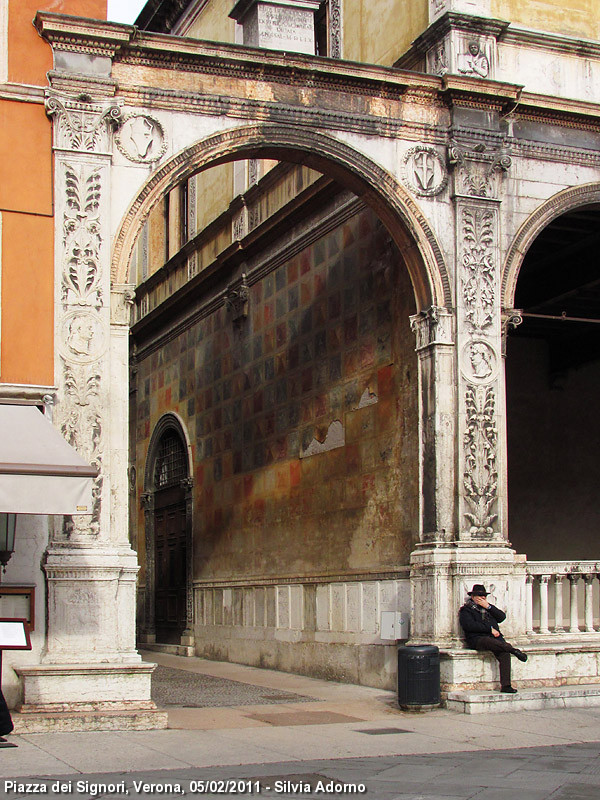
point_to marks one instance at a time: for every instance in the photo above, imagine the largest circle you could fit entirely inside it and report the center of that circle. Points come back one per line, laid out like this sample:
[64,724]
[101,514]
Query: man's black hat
[478,590]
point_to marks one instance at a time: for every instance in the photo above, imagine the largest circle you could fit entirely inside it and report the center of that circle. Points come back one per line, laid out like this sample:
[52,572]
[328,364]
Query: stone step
[529,699]
[70,721]
[172,649]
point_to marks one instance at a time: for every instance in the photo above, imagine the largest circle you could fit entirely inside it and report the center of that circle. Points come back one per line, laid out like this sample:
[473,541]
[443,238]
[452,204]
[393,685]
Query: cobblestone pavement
[177,687]
[563,772]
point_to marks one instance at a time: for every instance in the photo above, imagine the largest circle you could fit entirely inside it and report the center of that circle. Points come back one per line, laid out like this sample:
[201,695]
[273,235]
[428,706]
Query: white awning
[40,473]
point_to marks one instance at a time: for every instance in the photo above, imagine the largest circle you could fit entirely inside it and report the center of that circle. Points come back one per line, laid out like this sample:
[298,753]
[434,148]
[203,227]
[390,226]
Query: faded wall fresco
[302,417]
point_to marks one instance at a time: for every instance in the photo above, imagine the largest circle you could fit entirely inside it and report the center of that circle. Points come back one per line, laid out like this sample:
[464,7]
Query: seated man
[479,620]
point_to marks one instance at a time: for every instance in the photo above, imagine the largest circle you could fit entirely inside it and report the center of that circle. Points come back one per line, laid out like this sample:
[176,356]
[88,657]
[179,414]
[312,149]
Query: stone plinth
[278,24]
[87,697]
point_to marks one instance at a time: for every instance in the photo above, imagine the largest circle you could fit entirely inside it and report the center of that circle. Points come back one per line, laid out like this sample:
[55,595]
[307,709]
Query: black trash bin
[418,676]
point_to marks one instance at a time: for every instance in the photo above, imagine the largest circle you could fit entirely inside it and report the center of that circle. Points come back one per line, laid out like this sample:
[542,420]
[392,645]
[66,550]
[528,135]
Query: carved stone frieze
[141,139]
[237,299]
[82,426]
[81,278]
[80,124]
[432,326]
[477,172]
[424,171]
[480,480]
[438,61]
[335,28]
[478,231]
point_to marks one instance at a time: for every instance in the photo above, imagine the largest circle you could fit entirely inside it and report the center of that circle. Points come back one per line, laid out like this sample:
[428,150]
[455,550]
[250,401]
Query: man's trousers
[502,650]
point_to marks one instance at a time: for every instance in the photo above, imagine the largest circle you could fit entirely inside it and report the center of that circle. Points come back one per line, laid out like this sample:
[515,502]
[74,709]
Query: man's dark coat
[6,724]
[476,621]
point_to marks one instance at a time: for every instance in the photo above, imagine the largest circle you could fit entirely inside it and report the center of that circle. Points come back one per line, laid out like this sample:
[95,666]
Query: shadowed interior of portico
[553,379]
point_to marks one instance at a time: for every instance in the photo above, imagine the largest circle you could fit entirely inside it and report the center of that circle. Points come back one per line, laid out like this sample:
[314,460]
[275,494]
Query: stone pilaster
[90,567]
[444,567]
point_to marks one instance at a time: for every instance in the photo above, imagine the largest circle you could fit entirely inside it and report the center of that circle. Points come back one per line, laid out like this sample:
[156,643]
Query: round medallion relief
[479,362]
[82,337]
[424,171]
[141,139]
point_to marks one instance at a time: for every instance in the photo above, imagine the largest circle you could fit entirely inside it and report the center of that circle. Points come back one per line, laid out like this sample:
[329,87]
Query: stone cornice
[82,35]
[453,20]
[21,93]
[551,42]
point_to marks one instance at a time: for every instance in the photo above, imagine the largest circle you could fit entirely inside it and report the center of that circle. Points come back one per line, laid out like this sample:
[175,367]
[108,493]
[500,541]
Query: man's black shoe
[520,655]
[508,690]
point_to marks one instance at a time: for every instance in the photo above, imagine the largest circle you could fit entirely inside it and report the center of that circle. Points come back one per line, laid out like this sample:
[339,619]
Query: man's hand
[481,601]
[495,632]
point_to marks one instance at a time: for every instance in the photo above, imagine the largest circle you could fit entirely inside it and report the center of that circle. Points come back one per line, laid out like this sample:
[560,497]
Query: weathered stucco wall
[324,362]
[573,18]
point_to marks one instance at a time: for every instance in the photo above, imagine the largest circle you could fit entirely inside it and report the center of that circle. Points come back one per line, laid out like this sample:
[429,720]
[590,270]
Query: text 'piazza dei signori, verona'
[311,286]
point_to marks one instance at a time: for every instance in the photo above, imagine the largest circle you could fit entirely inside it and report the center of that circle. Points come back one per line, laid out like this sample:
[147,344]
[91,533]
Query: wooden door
[170,565]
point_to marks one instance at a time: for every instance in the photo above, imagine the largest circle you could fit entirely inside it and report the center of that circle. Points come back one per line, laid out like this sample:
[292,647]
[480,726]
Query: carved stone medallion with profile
[479,362]
[424,171]
[141,139]
[82,337]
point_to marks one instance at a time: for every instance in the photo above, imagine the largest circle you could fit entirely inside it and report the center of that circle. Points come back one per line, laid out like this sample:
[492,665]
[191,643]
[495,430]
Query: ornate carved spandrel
[80,124]
[480,480]
[434,325]
[477,171]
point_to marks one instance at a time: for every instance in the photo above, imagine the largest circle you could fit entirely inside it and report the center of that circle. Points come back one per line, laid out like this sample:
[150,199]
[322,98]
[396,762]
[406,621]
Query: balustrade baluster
[529,604]
[544,579]
[558,603]
[574,615]
[589,603]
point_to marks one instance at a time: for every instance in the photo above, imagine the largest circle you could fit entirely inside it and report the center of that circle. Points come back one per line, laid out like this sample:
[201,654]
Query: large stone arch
[168,422]
[555,206]
[377,187]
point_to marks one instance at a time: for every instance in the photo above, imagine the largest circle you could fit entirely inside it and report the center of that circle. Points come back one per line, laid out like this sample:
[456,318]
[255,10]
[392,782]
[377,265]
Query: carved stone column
[472,547]
[148,635]
[90,657]
[188,637]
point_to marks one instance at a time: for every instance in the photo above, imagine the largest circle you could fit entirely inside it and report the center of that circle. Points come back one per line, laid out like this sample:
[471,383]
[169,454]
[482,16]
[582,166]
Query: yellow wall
[380,31]
[571,17]
[214,192]
[213,23]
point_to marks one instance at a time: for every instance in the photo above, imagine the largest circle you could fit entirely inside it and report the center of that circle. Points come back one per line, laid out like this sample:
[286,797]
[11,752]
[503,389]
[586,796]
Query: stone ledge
[550,664]
[171,649]
[28,721]
[582,696]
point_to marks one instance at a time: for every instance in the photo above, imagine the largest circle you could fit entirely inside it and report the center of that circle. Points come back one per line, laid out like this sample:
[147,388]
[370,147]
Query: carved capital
[187,483]
[147,500]
[432,326]
[511,319]
[80,124]
[237,299]
[477,171]
[122,298]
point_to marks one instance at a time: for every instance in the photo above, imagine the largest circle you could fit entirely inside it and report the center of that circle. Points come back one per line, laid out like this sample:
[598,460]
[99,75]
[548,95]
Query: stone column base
[73,697]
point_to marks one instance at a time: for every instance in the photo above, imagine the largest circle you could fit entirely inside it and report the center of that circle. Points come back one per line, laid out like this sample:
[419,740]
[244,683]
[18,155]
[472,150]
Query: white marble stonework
[278,24]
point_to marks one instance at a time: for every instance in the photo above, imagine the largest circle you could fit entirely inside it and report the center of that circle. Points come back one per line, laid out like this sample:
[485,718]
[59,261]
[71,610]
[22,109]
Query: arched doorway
[168,504]
[553,378]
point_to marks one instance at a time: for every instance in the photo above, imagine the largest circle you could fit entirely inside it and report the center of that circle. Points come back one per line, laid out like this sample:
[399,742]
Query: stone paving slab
[448,775]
